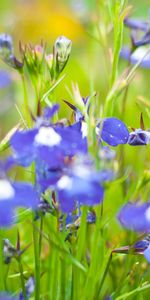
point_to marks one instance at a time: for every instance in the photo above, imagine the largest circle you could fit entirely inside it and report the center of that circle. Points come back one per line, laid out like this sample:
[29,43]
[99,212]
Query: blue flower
[48,144]
[140,247]
[136,53]
[138,25]
[135,216]
[134,57]
[81,184]
[139,137]
[113,131]
[14,195]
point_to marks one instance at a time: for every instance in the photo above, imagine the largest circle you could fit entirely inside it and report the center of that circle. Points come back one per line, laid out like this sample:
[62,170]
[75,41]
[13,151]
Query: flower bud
[6,45]
[62,51]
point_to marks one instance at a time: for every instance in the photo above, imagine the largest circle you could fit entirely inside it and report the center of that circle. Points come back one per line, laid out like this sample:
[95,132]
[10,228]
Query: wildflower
[81,184]
[48,144]
[111,130]
[136,26]
[139,137]
[134,57]
[114,132]
[135,216]
[14,195]
[137,53]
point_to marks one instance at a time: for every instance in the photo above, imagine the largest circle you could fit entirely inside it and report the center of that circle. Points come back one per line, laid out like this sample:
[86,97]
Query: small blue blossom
[81,184]
[136,26]
[139,137]
[135,216]
[114,132]
[140,247]
[111,130]
[134,57]
[47,144]
[14,195]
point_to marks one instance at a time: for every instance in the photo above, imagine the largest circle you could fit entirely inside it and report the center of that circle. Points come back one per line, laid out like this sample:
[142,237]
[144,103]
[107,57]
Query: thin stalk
[75,287]
[1,262]
[26,107]
[22,278]
[104,275]
[40,237]
[63,279]
[37,262]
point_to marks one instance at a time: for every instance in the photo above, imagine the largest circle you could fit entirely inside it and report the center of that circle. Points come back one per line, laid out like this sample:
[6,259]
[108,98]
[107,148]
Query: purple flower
[139,137]
[135,216]
[14,195]
[140,247]
[48,144]
[139,54]
[81,184]
[113,132]
[136,24]
[49,112]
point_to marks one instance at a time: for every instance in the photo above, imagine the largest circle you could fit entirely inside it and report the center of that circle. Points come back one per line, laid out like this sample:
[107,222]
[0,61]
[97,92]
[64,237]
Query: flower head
[139,137]
[81,184]
[135,216]
[14,195]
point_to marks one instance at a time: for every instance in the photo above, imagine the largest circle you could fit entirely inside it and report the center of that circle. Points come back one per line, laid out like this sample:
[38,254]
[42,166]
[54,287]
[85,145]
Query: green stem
[104,275]
[22,278]
[40,237]
[26,107]
[1,261]
[37,262]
